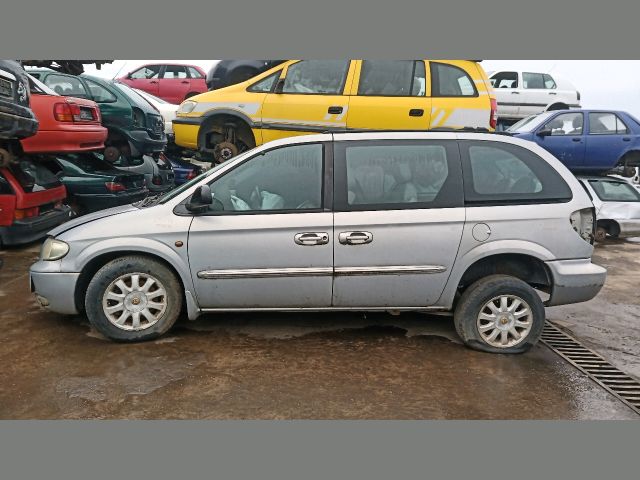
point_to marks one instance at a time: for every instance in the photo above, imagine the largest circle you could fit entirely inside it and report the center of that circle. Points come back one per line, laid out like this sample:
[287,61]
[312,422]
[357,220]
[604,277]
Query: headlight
[53,249]
[186,107]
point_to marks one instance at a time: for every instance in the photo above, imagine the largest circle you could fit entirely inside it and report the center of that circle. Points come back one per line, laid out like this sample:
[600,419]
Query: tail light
[70,112]
[58,205]
[115,186]
[26,213]
[584,223]
[493,119]
[156,180]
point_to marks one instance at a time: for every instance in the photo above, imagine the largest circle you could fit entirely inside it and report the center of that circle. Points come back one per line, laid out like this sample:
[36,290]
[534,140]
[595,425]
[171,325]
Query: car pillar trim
[319,272]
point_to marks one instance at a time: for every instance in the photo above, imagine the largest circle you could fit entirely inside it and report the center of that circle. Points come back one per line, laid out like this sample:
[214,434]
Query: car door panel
[407,240]
[174,84]
[377,110]
[288,114]
[607,141]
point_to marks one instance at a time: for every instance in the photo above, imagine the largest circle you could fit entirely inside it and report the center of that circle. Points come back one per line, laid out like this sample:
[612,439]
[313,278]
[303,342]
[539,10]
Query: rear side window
[392,78]
[67,86]
[266,84]
[451,81]
[99,93]
[606,124]
[533,80]
[174,71]
[397,174]
[505,80]
[501,174]
[33,177]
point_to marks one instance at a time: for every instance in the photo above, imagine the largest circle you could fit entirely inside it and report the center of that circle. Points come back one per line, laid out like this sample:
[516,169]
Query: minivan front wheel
[133,299]
[500,314]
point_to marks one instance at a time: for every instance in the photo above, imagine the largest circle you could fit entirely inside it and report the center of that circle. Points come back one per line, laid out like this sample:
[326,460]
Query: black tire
[133,264]
[476,296]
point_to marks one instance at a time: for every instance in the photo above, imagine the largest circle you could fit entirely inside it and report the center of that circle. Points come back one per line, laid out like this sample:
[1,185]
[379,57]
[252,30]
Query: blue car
[586,141]
[183,170]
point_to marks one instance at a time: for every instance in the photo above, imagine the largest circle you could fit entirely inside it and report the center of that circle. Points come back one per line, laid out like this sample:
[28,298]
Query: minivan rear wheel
[500,314]
[133,299]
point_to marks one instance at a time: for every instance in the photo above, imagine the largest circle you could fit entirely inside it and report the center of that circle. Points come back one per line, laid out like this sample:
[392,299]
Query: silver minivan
[489,227]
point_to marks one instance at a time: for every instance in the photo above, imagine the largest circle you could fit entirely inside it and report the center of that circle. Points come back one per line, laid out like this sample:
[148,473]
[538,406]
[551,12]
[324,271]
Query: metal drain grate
[616,382]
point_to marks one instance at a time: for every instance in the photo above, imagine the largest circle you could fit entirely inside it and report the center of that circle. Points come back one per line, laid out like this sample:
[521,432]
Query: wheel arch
[556,106]
[222,115]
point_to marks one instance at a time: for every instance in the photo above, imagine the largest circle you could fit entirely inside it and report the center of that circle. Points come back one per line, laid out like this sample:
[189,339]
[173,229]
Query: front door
[398,221]
[567,139]
[389,95]
[267,241]
[145,79]
[310,98]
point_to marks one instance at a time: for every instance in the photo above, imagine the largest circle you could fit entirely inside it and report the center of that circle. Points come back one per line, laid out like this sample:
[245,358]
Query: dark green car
[135,126]
[92,183]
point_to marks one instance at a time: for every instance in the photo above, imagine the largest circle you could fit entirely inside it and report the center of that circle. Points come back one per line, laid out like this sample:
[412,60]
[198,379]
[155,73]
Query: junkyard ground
[322,366]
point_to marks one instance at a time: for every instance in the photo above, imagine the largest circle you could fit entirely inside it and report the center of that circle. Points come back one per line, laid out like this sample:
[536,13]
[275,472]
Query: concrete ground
[321,366]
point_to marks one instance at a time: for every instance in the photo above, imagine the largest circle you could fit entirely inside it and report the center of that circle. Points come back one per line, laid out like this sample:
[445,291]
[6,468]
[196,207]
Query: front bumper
[32,229]
[16,121]
[575,281]
[54,290]
[186,130]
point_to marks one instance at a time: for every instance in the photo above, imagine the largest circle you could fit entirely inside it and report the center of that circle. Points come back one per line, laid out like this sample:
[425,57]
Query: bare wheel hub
[225,151]
[134,301]
[504,321]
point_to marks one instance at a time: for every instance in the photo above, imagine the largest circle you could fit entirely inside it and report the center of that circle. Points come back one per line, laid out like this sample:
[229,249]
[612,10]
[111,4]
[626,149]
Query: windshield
[529,123]
[612,191]
[87,162]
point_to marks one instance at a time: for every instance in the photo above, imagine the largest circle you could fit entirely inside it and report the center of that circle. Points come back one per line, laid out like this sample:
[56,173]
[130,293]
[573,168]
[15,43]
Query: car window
[529,123]
[451,81]
[33,176]
[99,93]
[174,71]
[399,78]
[532,80]
[194,73]
[146,73]
[266,84]
[316,77]
[549,83]
[505,80]
[606,124]
[565,124]
[66,85]
[500,173]
[397,174]
[284,179]
[609,191]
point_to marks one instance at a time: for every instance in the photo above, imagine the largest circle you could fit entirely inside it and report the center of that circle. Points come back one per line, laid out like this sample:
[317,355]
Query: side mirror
[279,86]
[129,76]
[200,200]
[544,133]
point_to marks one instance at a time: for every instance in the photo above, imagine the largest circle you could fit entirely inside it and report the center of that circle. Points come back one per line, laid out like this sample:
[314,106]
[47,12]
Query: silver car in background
[617,204]
[480,225]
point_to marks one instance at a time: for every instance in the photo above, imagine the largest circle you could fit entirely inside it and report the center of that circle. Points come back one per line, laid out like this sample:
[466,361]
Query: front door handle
[626,139]
[335,110]
[515,93]
[576,139]
[186,82]
[552,93]
[153,81]
[311,238]
[416,112]
[355,238]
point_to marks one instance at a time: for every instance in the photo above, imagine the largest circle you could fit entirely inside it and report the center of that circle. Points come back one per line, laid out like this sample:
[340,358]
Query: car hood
[620,211]
[90,218]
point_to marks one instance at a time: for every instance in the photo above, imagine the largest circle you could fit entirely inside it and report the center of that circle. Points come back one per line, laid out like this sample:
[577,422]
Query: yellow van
[309,96]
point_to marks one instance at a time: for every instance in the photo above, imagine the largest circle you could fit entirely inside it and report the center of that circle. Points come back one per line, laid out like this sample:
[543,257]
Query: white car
[617,206]
[166,109]
[520,94]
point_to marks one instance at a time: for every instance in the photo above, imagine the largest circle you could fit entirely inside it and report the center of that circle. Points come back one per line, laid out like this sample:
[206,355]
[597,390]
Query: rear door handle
[552,93]
[355,238]
[335,109]
[416,112]
[515,93]
[311,238]
[186,82]
[576,139]
[153,81]
[626,139]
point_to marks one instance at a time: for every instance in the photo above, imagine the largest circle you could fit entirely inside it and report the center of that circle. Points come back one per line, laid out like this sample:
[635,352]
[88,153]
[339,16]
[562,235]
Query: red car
[66,123]
[171,82]
[30,202]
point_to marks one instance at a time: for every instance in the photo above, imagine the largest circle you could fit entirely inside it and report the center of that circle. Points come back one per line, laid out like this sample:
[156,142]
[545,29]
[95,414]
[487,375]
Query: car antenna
[118,72]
